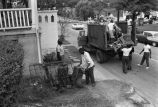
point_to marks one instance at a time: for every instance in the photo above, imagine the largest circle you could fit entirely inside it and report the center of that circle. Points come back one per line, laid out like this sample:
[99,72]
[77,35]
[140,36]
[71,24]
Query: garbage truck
[98,41]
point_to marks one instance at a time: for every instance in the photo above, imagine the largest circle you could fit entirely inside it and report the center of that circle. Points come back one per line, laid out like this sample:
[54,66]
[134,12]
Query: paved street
[145,81]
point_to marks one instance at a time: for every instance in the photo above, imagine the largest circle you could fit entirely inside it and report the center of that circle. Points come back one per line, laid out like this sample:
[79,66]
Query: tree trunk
[4,2]
[118,16]
[26,3]
[133,32]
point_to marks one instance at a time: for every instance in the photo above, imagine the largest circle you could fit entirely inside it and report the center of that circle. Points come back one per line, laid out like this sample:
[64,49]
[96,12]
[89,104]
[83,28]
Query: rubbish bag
[63,75]
[77,77]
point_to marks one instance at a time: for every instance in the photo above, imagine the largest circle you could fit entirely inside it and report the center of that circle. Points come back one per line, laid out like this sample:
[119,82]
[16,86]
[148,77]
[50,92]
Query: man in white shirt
[125,59]
[111,29]
[147,53]
[60,50]
[129,22]
[87,65]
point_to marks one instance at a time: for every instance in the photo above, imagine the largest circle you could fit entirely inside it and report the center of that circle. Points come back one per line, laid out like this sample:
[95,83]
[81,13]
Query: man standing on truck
[114,30]
[87,65]
[125,59]
[111,29]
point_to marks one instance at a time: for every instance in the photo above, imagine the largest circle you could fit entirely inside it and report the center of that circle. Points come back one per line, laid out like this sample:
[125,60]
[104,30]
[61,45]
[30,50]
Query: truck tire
[120,56]
[106,57]
[100,56]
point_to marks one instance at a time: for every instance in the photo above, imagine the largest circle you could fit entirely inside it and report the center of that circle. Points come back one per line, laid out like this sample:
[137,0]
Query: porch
[21,24]
[18,14]
[15,18]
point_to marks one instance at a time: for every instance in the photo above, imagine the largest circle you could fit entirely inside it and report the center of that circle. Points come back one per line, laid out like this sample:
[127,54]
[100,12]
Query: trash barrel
[77,77]
[63,74]
[123,25]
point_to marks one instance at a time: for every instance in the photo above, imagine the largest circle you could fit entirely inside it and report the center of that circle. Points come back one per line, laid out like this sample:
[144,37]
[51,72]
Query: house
[35,30]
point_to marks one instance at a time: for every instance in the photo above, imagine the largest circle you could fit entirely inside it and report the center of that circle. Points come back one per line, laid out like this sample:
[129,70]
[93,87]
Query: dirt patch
[80,98]
[113,90]
[106,93]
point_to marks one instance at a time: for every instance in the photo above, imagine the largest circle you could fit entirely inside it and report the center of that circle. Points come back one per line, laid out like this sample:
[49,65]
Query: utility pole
[4,2]
[118,15]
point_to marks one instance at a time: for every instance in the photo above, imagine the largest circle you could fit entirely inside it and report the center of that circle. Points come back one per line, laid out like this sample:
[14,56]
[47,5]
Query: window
[147,34]
[46,19]
[52,18]
[39,19]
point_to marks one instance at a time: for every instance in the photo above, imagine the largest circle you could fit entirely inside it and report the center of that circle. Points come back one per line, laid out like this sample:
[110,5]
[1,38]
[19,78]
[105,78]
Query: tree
[45,4]
[100,5]
[63,21]
[84,9]
[68,3]
[72,3]
[135,7]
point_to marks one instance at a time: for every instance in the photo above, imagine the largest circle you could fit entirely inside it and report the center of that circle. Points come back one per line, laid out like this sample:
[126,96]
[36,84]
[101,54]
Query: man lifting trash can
[87,66]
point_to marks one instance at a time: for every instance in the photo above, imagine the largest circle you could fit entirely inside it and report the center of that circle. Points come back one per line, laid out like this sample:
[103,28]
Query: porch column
[33,6]
[4,4]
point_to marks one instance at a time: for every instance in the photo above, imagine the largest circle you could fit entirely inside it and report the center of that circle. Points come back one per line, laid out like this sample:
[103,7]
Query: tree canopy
[136,5]
[84,9]
[57,3]
[99,6]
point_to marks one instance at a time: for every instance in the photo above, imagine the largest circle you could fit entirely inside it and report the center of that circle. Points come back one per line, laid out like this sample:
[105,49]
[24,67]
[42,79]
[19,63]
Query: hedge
[11,62]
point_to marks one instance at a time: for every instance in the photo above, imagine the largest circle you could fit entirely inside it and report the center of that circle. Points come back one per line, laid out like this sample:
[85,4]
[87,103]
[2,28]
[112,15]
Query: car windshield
[147,34]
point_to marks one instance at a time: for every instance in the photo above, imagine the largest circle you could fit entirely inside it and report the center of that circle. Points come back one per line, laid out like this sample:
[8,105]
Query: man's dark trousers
[125,63]
[90,75]
[130,62]
[145,57]
[130,59]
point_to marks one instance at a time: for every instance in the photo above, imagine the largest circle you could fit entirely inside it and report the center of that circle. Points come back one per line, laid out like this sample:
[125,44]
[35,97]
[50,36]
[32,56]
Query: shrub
[48,58]
[11,59]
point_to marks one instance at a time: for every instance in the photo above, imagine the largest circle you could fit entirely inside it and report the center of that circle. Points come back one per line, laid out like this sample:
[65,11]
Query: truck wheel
[120,57]
[100,56]
[106,57]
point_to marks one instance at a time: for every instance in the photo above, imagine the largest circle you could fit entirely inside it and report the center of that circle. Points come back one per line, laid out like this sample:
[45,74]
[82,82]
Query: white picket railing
[15,18]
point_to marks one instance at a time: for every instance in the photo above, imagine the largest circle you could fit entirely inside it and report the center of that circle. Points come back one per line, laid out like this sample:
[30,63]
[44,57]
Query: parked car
[77,26]
[150,37]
